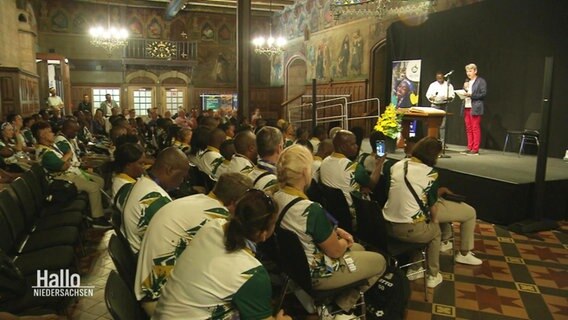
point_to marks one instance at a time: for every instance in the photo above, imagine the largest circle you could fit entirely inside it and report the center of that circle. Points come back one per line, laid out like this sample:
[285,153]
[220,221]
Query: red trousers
[473,130]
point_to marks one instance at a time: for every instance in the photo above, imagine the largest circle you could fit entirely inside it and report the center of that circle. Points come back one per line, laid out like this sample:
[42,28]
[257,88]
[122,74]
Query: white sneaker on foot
[414,274]
[445,246]
[469,258]
[432,282]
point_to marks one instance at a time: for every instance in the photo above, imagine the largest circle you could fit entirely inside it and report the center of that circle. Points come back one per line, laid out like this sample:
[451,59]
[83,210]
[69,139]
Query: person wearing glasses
[328,249]
[238,284]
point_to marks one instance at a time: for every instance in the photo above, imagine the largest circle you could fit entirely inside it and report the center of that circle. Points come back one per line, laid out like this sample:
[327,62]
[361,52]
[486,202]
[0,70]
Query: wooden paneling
[19,92]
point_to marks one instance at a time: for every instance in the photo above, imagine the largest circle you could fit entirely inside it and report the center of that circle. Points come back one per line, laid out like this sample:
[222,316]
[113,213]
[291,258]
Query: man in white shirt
[108,105]
[440,93]
[244,159]
[54,101]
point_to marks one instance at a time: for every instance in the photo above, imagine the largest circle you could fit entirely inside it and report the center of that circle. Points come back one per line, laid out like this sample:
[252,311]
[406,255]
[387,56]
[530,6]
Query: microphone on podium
[448,74]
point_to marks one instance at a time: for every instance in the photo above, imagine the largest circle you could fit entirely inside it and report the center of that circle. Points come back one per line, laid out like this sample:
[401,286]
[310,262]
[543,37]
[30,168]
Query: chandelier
[109,38]
[270,45]
[379,8]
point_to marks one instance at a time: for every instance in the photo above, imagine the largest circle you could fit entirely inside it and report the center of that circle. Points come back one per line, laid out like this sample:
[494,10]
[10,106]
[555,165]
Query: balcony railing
[164,50]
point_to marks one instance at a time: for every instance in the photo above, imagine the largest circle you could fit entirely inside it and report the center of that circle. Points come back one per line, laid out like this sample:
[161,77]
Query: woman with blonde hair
[327,248]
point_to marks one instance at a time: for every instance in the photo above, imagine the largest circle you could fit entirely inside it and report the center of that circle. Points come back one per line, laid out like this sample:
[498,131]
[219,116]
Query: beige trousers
[370,266]
[449,211]
[92,185]
[420,232]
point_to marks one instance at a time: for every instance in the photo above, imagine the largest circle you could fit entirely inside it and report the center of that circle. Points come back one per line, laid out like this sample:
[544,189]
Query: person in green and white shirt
[172,229]
[210,161]
[149,194]
[129,161]
[58,164]
[244,159]
[238,285]
[325,246]
[269,144]
[340,171]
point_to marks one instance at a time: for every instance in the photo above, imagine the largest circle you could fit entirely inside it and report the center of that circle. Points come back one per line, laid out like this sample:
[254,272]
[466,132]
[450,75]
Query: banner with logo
[405,83]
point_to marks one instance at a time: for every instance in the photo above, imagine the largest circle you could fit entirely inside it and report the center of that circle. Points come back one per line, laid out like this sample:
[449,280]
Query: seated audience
[150,193]
[325,149]
[340,171]
[129,161]
[218,276]
[12,155]
[245,157]
[319,134]
[172,229]
[324,246]
[183,139]
[412,221]
[210,161]
[269,145]
[60,165]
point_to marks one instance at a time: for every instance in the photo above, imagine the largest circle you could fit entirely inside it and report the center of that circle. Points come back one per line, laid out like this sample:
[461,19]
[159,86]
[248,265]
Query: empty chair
[529,134]
[120,300]
[335,203]
[123,259]
[371,229]
[293,261]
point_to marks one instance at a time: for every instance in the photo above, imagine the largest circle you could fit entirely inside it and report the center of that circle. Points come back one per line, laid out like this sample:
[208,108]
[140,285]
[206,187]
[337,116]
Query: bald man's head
[345,143]
[170,168]
[245,144]
[216,138]
[325,148]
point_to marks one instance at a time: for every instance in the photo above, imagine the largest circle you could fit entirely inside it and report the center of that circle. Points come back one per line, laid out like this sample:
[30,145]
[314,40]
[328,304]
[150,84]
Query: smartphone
[380,148]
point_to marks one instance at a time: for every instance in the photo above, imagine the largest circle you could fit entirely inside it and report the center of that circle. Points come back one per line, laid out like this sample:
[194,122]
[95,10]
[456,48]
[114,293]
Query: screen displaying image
[216,101]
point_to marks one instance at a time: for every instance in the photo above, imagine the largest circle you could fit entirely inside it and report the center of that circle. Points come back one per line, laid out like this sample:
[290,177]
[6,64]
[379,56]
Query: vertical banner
[405,83]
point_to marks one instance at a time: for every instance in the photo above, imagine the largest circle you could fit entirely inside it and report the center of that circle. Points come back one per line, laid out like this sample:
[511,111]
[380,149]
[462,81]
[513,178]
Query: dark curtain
[508,41]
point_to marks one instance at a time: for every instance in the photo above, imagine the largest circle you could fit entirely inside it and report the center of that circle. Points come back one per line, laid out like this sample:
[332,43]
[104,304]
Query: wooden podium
[433,120]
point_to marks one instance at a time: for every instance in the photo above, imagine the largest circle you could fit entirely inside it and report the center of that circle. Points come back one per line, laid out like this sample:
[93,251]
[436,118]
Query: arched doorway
[378,73]
[295,78]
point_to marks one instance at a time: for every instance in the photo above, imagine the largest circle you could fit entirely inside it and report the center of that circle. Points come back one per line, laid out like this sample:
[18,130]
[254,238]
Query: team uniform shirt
[401,207]
[240,163]
[315,144]
[263,176]
[65,145]
[184,147]
[308,220]
[438,90]
[209,283]
[13,159]
[338,172]
[167,236]
[145,199]
[121,186]
[210,161]
[50,158]
[288,142]
[367,161]
[316,168]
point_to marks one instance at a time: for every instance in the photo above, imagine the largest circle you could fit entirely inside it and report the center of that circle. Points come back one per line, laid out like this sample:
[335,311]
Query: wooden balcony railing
[154,49]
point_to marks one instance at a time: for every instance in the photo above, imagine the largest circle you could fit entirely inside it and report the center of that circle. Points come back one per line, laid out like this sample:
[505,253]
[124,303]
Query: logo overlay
[62,284]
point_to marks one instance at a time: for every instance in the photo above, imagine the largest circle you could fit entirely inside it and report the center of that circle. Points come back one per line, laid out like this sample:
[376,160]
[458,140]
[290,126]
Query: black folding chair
[120,301]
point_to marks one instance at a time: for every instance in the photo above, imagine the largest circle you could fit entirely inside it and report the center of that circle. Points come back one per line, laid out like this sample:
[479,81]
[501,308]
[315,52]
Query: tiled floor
[520,278]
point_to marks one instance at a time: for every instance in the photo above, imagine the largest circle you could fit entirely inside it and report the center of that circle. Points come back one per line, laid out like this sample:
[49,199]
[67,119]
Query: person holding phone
[326,246]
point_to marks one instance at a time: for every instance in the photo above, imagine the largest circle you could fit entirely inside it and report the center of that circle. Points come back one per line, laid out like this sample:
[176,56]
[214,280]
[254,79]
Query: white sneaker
[445,246]
[469,258]
[343,316]
[432,282]
[414,274]
[325,315]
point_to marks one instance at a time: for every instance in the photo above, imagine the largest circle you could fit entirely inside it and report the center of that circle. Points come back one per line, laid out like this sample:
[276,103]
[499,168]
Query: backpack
[388,297]
[61,191]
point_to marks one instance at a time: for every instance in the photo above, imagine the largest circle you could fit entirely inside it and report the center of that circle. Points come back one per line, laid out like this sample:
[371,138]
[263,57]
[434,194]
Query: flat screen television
[217,101]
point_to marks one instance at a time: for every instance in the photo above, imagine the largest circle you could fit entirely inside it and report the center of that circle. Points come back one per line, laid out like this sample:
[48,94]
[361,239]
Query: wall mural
[334,49]
[215,34]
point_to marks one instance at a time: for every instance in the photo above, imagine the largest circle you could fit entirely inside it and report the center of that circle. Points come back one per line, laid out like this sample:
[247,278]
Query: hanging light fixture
[269,45]
[109,38]
[379,8]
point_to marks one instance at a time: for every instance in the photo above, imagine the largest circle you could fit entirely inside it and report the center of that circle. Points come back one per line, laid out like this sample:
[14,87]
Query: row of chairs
[36,235]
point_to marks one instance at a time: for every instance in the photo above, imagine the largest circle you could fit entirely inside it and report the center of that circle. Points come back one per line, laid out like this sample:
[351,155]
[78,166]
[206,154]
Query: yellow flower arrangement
[389,122]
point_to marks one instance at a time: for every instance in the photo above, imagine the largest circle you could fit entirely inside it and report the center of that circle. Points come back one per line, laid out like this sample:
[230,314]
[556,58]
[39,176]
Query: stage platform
[501,185]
